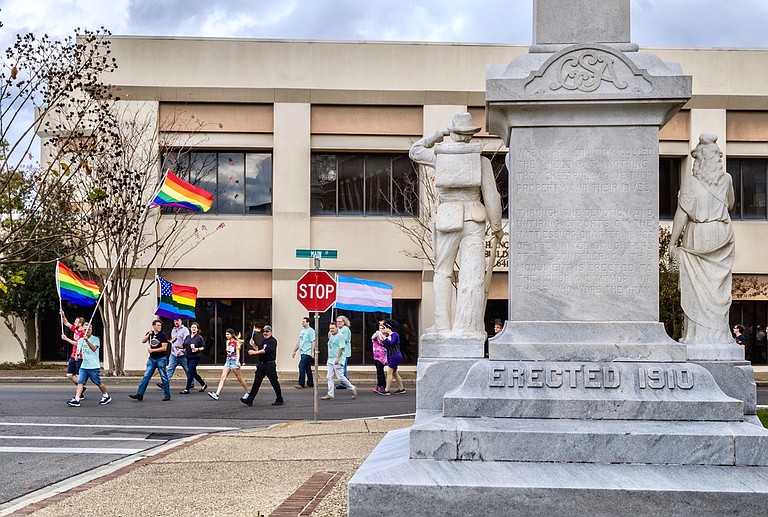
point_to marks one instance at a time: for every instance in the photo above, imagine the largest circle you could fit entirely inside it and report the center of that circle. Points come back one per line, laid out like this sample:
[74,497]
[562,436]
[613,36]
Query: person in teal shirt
[334,364]
[345,329]
[306,347]
[88,346]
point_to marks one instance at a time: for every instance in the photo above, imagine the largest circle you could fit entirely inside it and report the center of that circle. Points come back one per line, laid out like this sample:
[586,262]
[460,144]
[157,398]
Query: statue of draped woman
[707,251]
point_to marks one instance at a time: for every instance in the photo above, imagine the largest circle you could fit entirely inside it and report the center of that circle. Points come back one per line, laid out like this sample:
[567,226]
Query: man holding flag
[158,344]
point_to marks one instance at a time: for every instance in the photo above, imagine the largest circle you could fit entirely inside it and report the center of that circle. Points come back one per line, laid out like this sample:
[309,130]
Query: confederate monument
[585,405]
[462,174]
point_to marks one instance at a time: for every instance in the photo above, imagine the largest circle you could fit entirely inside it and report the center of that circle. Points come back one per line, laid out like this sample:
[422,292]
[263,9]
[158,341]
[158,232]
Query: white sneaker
[213,395]
[326,397]
[354,392]
[106,399]
[245,396]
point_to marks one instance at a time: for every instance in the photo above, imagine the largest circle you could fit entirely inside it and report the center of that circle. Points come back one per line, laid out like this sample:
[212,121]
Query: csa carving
[587,69]
[586,72]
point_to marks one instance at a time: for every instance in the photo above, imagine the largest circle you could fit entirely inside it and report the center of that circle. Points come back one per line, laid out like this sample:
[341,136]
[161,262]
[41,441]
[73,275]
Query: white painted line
[121,426]
[69,450]
[404,415]
[76,439]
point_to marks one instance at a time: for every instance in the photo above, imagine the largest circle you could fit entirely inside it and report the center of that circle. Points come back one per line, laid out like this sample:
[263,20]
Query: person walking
[178,356]
[75,360]
[232,364]
[266,367]
[379,359]
[394,357]
[306,348]
[88,348]
[334,364]
[194,345]
[345,329]
[158,344]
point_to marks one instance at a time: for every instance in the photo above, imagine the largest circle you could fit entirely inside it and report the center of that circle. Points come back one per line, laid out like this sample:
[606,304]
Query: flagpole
[58,290]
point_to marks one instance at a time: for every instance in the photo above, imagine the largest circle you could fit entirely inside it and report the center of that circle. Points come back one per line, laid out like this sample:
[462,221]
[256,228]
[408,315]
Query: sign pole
[316,406]
[316,291]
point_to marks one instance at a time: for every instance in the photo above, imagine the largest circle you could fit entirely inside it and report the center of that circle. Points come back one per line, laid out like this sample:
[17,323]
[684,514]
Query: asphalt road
[43,441]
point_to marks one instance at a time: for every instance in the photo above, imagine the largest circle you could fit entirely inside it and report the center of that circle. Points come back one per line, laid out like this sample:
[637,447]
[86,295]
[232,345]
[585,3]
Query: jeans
[305,369]
[192,374]
[153,364]
[173,362]
[268,370]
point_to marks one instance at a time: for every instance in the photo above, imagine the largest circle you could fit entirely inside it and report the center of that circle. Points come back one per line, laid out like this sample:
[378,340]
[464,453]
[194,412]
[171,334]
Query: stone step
[589,441]
[414,487]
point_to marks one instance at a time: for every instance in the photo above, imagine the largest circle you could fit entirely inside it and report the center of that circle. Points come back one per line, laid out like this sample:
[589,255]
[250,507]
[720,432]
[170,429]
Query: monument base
[389,482]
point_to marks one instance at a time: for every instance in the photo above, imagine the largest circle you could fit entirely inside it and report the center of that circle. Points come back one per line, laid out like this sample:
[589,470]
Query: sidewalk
[297,468]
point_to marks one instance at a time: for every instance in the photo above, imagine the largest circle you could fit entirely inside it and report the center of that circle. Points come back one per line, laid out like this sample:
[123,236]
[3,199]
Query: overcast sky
[694,23]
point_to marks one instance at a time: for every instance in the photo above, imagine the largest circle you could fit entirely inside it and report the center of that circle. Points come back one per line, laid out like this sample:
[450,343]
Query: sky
[655,23]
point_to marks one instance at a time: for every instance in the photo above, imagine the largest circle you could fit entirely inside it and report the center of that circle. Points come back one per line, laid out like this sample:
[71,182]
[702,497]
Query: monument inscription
[577,376]
[565,248]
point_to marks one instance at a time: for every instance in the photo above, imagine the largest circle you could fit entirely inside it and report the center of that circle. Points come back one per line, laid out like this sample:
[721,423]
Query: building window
[241,183]
[502,180]
[363,184]
[364,324]
[753,314]
[749,185]
[669,186]
[215,316]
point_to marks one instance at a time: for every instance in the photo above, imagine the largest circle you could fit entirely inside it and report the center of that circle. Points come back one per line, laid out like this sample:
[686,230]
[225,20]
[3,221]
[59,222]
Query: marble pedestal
[390,483]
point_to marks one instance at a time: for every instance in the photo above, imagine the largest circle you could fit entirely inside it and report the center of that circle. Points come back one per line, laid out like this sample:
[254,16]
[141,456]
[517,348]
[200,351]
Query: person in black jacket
[194,344]
[266,367]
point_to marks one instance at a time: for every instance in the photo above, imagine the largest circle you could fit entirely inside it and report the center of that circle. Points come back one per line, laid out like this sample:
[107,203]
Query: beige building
[305,146]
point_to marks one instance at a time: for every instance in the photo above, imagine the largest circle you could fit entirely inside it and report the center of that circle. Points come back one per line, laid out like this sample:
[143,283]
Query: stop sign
[316,290]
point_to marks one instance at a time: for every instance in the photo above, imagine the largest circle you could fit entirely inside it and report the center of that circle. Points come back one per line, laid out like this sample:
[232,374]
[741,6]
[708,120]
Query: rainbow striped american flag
[176,301]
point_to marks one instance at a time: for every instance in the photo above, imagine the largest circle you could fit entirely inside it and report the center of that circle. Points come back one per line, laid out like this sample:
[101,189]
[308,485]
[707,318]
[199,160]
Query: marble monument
[585,405]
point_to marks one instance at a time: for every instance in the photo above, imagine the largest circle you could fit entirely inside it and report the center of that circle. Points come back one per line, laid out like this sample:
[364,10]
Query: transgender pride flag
[355,294]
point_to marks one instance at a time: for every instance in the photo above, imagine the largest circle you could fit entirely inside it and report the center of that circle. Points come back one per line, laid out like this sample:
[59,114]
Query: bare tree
[133,241]
[55,89]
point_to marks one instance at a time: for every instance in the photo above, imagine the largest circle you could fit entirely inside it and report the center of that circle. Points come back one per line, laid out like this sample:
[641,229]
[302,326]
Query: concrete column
[290,222]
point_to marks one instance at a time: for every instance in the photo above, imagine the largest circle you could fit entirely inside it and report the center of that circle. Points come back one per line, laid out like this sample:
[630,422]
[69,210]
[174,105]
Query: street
[43,441]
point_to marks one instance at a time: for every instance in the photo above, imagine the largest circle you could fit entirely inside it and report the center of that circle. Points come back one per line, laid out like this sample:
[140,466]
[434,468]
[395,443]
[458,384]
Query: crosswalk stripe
[81,439]
[69,450]
[120,426]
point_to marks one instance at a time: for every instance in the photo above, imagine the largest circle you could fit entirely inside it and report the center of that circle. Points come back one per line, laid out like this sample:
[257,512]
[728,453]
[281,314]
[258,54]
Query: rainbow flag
[74,289]
[178,193]
[176,301]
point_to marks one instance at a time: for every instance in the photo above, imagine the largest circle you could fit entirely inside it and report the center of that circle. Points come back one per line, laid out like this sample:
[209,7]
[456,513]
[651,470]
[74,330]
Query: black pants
[381,379]
[268,370]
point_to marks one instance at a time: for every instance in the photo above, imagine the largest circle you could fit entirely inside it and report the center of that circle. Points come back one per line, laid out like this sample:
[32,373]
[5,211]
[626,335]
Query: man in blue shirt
[88,346]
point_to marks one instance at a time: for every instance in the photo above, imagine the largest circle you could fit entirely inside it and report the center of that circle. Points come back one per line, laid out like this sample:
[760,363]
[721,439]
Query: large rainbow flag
[178,193]
[176,301]
[74,289]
